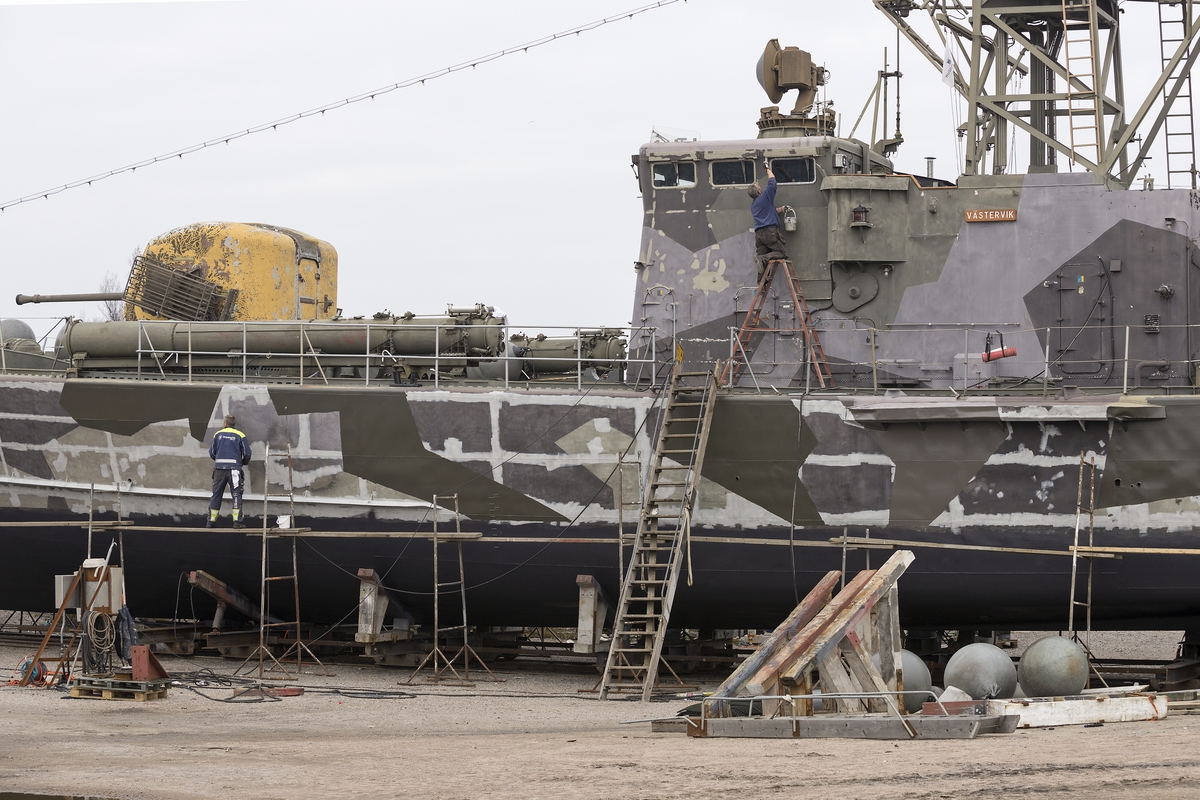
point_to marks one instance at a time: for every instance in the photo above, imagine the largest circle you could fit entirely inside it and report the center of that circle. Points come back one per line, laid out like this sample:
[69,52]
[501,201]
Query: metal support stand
[436,658]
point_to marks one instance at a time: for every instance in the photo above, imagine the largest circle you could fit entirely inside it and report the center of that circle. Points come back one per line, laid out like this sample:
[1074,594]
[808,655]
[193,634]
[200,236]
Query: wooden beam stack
[835,637]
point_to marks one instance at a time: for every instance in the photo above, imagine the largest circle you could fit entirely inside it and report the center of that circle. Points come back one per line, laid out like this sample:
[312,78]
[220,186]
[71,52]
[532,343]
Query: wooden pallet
[116,689]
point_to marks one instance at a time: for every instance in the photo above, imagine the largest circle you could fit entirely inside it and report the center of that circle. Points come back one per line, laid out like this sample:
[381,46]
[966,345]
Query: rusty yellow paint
[261,262]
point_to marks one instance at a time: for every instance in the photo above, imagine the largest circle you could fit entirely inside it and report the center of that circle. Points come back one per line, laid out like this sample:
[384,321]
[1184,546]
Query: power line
[358,98]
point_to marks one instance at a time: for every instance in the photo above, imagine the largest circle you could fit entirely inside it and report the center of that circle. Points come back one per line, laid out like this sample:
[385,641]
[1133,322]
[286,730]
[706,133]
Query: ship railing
[637,359]
[973,357]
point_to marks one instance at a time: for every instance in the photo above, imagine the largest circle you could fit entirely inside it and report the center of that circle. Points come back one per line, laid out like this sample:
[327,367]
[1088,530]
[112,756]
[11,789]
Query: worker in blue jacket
[768,240]
[230,452]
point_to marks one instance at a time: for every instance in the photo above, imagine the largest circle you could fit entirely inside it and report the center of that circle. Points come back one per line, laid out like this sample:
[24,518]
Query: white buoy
[982,671]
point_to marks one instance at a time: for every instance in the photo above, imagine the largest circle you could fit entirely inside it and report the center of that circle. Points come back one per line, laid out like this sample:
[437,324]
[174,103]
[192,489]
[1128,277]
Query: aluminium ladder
[1088,466]
[662,538]
[1080,509]
[1084,108]
[753,323]
[1178,126]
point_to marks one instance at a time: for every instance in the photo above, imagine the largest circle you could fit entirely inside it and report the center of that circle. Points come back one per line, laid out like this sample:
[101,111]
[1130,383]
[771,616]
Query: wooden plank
[766,678]
[801,615]
[862,541]
[1038,713]
[752,728]
[1087,550]
[803,708]
[676,725]
[858,661]
[897,638]
[877,588]
[886,626]
[836,679]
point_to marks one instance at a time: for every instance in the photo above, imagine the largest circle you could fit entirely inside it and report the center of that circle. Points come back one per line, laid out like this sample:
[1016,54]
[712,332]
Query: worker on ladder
[230,452]
[768,238]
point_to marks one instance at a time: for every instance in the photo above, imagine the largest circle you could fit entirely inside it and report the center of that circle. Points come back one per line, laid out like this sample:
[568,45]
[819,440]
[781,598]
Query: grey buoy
[982,671]
[1053,667]
[916,678]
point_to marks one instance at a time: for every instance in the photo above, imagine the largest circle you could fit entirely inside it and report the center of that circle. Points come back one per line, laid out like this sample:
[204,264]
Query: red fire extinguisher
[990,354]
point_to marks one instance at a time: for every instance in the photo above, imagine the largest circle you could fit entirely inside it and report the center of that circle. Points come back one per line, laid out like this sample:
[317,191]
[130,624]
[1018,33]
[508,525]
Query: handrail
[926,357]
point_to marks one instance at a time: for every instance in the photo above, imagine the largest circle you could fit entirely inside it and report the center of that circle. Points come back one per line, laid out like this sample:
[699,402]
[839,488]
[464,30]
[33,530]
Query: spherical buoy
[982,671]
[1053,667]
[916,678]
[15,329]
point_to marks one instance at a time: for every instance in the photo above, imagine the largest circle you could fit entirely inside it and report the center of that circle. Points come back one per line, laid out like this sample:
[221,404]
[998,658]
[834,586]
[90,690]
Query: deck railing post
[1125,369]
[1046,365]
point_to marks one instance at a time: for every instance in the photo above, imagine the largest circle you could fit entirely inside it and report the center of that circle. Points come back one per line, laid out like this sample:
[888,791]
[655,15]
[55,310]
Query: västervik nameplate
[991,215]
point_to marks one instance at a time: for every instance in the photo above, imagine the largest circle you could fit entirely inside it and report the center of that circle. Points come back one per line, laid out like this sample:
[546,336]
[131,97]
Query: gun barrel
[22,299]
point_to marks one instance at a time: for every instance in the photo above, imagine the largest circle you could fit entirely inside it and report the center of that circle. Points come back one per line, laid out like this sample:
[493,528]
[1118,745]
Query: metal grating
[174,293]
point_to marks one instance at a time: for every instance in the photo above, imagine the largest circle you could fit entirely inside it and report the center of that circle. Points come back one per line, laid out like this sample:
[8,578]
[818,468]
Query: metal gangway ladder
[663,536]
[753,323]
[1088,467]
[1179,127]
[1084,105]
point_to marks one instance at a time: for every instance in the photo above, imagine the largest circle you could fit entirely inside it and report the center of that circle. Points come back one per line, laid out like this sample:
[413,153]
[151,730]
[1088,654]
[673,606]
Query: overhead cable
[358,98]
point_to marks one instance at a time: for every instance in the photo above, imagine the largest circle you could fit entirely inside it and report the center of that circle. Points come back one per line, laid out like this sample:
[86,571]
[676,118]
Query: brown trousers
[769,246]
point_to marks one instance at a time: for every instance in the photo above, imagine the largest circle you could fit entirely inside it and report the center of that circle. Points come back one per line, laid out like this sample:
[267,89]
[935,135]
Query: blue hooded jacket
[229,449]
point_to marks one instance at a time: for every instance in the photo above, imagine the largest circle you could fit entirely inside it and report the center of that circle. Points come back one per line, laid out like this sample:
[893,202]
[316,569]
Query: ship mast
[1074,105]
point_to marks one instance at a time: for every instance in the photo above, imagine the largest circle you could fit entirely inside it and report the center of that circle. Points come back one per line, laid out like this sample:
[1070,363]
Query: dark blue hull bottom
[739,584]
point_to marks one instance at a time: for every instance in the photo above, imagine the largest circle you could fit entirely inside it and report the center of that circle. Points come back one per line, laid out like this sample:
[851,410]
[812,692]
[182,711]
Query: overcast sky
[509,184]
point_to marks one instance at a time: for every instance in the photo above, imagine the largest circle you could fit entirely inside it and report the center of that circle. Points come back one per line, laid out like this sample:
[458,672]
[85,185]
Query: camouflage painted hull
[537,473]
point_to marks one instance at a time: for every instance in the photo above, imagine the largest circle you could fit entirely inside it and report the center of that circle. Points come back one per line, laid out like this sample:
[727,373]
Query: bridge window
[793,170]
[681,174]
[732,173]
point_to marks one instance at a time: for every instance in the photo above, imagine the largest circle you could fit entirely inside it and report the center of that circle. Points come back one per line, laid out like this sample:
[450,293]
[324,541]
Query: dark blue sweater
[763,207]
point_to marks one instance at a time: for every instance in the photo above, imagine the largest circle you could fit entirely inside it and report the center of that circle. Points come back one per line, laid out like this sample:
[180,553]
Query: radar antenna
[781,69]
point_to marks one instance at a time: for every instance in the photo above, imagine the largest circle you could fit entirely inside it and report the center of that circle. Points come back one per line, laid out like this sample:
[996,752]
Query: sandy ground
[534,736]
